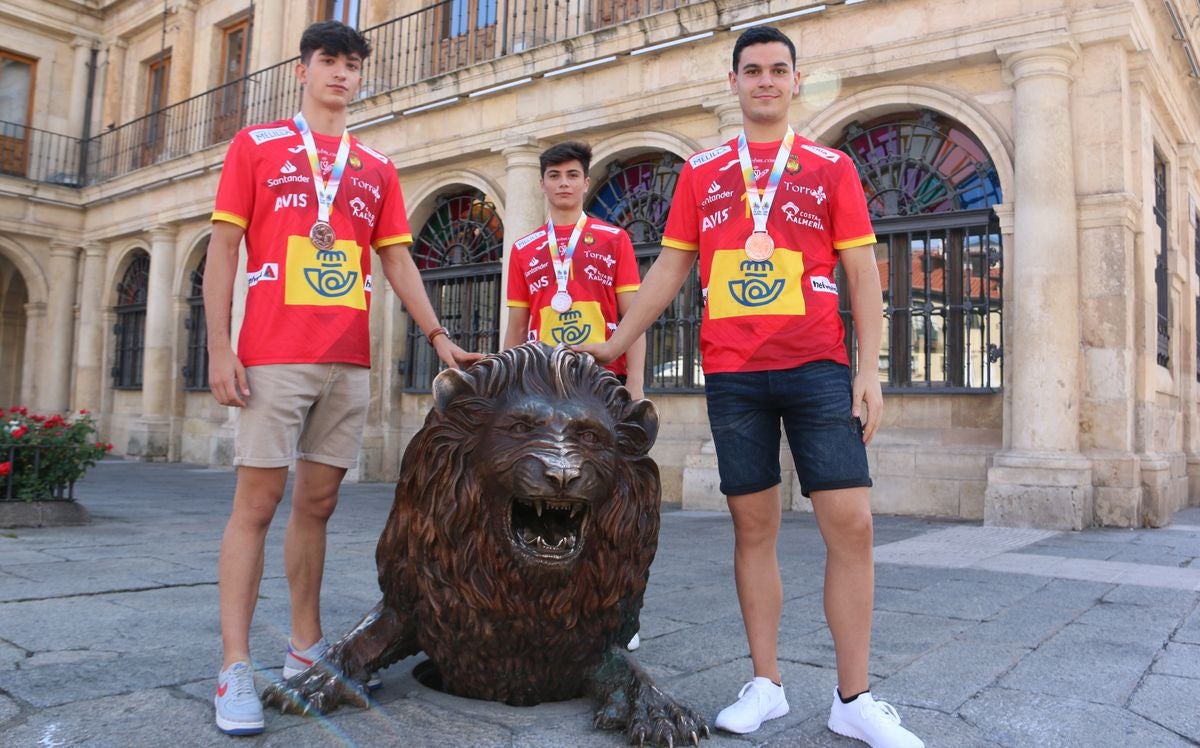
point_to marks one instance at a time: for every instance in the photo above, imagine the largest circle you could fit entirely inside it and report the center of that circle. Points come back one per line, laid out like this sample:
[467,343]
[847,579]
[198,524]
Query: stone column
[729,116]
[89,353]
[79,83]
[149,436]
[114,83]
[1041,479]
[55,369]
[31,388]
[182,52]
[524,205]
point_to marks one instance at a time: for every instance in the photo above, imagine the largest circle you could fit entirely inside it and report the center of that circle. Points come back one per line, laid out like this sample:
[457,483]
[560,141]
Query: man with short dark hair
[311,202]
[573,289]
[770,215]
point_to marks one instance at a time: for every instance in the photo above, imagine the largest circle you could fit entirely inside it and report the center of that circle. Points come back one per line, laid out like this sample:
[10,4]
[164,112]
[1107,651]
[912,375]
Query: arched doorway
[930,188]
[458,252]
[636,195]
[14,295]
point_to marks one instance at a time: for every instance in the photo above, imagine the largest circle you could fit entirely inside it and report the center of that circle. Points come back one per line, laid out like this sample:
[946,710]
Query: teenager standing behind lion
[518,548]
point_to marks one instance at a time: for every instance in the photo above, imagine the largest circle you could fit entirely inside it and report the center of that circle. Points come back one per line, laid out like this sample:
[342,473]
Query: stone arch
[421,202]
[31,272]
[625,144]
[197,246]
[826,126]
[119,261]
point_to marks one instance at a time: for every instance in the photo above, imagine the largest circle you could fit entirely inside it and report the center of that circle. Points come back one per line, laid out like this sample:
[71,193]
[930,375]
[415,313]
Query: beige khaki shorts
[313,412]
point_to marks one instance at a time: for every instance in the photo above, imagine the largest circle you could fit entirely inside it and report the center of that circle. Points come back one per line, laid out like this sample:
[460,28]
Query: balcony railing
[439,39]
[42,156]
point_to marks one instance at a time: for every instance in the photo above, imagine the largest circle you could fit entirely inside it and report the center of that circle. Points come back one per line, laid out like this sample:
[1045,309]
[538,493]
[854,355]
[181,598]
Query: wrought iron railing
[25,465]
[40,155]
[432,41]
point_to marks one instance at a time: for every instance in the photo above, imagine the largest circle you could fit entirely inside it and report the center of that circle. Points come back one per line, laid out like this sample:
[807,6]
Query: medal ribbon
[326,191]
[760,201]
[562,265]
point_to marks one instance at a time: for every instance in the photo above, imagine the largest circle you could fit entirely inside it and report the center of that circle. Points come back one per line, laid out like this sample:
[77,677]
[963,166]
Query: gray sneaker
[297,661]
[239,712]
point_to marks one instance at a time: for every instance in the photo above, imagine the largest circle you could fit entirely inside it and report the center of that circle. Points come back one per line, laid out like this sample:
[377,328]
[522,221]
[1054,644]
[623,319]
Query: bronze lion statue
[518,549]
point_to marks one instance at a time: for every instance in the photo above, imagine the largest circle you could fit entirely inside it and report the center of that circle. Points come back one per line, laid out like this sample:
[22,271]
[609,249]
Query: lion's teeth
[539,505]
[575,509]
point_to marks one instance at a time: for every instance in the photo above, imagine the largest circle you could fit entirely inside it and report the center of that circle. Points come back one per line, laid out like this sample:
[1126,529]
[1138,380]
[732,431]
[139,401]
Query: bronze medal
[760,246]
[322,236]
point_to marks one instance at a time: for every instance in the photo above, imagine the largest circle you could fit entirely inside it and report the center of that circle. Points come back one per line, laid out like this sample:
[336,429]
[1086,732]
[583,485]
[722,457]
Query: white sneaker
[876,723]
[239,712]
[758,701]
[635,642]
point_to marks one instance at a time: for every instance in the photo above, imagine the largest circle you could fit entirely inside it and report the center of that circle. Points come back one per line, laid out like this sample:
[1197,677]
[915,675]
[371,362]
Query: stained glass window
[930,187]
[458,252]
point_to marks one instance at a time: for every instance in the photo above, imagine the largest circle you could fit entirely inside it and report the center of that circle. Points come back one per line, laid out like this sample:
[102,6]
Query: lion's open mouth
[550,529]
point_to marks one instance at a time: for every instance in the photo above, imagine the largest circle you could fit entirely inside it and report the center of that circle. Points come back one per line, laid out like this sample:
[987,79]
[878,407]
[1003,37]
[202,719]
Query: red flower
[5,468]
[108,447]
[84,411]
[19,431]
[19,409]
[37,418]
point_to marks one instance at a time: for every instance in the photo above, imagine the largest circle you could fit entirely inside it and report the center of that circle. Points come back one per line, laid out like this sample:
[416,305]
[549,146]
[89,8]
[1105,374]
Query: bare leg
[240,567]
[314,497]
[756,519]
[844,517]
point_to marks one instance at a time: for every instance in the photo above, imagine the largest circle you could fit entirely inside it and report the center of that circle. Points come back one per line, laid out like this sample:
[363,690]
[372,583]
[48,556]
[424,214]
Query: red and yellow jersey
[304,305]
[602,267]
[781,312]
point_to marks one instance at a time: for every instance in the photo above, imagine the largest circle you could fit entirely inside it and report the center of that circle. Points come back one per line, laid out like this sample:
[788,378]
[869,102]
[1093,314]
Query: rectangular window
[345,11]
[1196,262]
[464,33]
[1160,264]
[158,80]
[230,100]
[16,109]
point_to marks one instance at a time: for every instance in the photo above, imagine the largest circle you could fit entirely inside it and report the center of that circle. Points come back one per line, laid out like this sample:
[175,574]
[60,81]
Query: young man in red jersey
[770,215]
[312,203]
[576,289]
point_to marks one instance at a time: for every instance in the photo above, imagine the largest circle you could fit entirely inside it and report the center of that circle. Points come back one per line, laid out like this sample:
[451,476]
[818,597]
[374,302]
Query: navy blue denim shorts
[813,402]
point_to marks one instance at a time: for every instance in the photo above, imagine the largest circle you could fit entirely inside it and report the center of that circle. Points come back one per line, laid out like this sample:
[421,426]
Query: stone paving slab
[983,637]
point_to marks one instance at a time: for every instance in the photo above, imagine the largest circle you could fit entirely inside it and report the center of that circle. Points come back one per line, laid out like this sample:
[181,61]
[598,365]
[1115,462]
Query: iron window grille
[130,329]
[636,195]
[1161,285]
[195,371]
[930,189]
[459,253]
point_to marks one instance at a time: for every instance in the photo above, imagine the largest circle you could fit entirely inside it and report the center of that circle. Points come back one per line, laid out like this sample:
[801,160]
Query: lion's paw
[665,723]
[317,689]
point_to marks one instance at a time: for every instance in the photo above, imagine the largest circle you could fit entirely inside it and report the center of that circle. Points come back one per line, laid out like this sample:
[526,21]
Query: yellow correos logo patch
[324,278]
[582,323]
[741,287]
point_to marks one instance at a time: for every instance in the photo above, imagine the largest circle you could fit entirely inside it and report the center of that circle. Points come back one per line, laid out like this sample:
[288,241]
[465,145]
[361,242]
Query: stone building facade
[1031,167]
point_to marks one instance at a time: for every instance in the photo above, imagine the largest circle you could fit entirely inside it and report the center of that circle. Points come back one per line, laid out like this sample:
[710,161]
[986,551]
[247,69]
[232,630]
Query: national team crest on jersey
[354,161]
[741,287]
[582,323]
[793,164]
[324,277]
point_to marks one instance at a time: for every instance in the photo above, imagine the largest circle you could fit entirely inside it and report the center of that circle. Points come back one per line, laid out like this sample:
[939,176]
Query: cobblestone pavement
[983,636]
